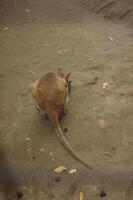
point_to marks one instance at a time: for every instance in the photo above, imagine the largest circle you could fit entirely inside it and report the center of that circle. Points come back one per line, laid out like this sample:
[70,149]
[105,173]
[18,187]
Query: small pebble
[110,38]
[34,157]
[6,28]
[51,153]
[105,85]
[27,139]
[27,10]
[107,154]
[102,124]
[42,149]
[60,169]
[72,171]
[81,196]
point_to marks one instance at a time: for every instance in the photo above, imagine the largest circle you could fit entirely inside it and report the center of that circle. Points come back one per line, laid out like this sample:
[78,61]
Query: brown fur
[51,93]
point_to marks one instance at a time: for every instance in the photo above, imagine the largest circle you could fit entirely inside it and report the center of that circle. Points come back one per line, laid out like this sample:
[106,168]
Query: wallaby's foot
[38,108]
[44,116]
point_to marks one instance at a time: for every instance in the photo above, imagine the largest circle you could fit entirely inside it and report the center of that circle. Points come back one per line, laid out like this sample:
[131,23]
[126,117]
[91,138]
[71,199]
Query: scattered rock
[34,157]
[27,139]
[107,154]
[110,38]
[90,192]
[51,153]
[60,169]
[102,124]
[72,171]
[27,10]
[105,85]
[31,72]
[81,196]
[42,150]
[6,28]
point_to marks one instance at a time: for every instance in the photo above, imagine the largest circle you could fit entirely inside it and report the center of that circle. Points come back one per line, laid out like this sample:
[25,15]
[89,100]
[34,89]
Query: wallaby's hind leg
[42,113]
[66,104]
[45,116]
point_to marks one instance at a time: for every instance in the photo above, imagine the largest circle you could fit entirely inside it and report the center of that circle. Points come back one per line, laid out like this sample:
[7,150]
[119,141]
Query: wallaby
[51,93]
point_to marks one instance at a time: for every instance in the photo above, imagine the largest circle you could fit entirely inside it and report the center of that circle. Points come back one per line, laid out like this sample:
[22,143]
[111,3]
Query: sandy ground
[41,36]
[116,9]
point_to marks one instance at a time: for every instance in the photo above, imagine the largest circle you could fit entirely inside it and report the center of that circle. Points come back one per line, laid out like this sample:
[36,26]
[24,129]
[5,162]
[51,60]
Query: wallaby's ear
[68,76]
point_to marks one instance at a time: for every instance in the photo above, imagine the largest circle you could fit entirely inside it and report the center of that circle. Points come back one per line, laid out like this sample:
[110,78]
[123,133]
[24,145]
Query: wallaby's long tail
[54,120]
[69,148]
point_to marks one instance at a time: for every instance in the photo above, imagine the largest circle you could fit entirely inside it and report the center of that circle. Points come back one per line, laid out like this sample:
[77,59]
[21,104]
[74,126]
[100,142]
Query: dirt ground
[111,9]
[41,36]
